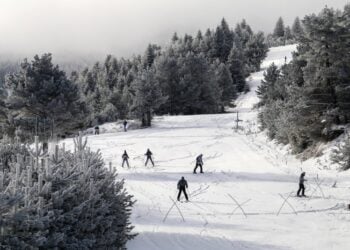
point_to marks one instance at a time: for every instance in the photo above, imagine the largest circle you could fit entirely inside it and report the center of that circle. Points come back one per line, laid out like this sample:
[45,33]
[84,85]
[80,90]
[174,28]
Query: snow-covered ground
[239,165]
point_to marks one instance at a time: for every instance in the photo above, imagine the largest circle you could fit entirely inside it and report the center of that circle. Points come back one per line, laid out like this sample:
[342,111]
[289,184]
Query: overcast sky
[124,27]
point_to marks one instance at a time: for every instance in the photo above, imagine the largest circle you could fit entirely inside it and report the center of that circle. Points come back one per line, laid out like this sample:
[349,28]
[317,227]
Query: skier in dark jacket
[125,158]
[301,185]
[199,163]
[97,130]
[181,186]
[149,157]
[125,123]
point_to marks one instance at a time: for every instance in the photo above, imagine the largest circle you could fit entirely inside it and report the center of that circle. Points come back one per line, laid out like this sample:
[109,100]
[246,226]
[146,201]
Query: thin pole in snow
[237,121]
[286,202]
[239,205]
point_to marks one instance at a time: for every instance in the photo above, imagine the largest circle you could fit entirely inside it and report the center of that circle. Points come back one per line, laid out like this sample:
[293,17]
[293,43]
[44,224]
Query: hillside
[242,164]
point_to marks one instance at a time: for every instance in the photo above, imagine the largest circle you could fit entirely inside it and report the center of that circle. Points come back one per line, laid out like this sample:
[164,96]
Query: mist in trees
[192,75]
[198,74]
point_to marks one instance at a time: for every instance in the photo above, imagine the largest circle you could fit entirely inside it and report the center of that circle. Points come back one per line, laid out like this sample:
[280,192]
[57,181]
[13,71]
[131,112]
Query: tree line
[198,74]
[284,34]
[307,101]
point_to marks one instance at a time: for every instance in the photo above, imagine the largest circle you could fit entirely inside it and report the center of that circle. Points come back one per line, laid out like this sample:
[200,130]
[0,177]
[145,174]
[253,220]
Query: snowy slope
[242,164]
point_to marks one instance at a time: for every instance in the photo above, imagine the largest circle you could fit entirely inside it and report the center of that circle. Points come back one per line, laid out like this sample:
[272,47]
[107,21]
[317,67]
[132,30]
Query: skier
[199,163]
[301,185]
[125,158]
[97,130]
[285,60]
[149,157]
[125,123]
[181,186]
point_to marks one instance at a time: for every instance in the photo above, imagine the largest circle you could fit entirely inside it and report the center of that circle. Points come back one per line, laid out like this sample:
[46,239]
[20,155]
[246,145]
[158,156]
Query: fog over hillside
[98,27]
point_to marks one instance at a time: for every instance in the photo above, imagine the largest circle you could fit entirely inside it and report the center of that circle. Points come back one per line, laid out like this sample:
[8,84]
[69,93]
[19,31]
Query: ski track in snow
[243,164]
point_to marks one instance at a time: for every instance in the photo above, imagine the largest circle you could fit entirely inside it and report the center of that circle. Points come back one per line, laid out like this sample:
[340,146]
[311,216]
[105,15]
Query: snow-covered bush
[63,201]
[341,154]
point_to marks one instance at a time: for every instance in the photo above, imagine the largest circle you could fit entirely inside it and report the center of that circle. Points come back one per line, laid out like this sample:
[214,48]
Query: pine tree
[226,85]
[297,29]
[62,200]
[168,76]
[243,32]
[279,28]
[41,90]
[199,90]
[288,34]
[175,38]
[151,53]
[148,96]
[236,66]
[266,89]
[223,41]
[255,51]
[322,73]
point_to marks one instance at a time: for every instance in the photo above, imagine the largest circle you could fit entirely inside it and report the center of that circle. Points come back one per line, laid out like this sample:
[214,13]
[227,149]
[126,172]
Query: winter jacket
[148,153]
[199,160]
[182,184]
[125,156]
[302,179]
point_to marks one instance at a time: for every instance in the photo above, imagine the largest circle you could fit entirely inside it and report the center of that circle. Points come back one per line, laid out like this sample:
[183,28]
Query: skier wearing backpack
[149,157]
[301,185]
[125,158]
[199,163]
[181,186]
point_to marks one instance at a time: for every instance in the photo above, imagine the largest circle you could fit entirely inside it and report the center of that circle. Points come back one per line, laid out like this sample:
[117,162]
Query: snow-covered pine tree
[237,69]
[168,76]
[278,32]
[297,28]
[288,35]
[266,89]
[198,87]
[326,74]
[41,90]
[148,96]
[341,154]
[255,51]
[65,200]
[223,41]
[151,53]
[228,89]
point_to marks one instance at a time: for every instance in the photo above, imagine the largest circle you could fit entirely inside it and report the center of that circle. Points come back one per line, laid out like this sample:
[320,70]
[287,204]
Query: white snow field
[242,164]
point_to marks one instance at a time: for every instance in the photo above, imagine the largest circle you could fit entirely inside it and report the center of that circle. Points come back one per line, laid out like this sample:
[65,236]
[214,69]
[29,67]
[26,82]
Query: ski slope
[238,165]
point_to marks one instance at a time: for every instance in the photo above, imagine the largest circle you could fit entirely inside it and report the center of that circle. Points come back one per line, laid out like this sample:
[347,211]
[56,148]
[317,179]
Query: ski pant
[301,189]
[97,132]
[125,129]
[127,163]
[182,189]
[149,158]
[198,165]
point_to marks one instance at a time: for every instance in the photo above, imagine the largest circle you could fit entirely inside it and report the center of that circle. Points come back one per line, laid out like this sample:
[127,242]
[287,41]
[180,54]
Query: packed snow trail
[240,167]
